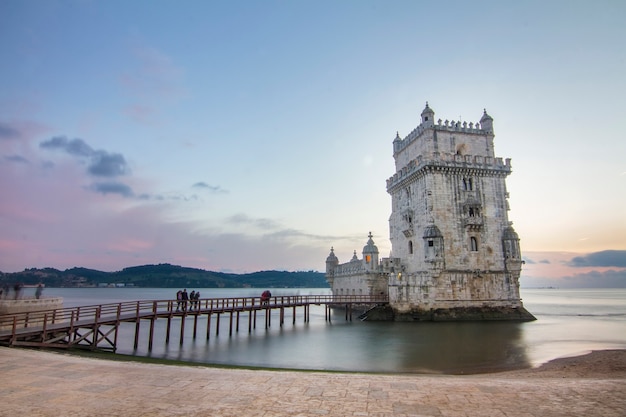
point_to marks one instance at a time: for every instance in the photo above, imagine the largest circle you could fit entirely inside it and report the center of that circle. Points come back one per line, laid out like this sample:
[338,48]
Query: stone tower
[455,254]
[454,251]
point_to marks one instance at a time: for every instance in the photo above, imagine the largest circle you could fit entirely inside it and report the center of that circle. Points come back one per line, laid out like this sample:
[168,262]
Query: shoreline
[43,383]
[594,363]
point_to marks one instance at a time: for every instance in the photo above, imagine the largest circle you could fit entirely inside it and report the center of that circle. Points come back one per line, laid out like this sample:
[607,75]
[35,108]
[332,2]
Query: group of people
[183,299]
[17,291]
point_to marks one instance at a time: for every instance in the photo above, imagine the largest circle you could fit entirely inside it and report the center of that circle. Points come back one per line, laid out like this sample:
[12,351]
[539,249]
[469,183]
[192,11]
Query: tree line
[164,276]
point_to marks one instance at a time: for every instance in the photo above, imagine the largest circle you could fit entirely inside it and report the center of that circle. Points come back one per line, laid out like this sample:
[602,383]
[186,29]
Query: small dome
[510,234]
[485,117]
[370,247]
[432,231]
[331,256]
[354,258]
[427,110]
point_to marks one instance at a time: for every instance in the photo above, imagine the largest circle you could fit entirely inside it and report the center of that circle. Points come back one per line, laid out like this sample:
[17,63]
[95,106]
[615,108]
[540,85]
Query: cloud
[532,261]
[212,188]
[105,164]
[75,147]
[112,188]
[16,158]
[596,279]
[261,223]
[607,258]
[101,163]
[8,132]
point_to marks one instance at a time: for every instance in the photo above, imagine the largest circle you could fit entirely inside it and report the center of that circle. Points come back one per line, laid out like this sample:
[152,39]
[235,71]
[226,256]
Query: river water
[569,322]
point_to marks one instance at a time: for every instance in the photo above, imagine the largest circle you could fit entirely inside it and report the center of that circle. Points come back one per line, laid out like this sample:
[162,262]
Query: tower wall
[448,179]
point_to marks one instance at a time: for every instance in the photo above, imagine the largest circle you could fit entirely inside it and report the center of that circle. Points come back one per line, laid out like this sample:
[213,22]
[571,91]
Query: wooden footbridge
[96,327]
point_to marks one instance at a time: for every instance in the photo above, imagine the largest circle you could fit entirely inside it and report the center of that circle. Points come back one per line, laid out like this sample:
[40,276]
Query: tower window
[473,244]
[410,247]
[431,243]
[468,184]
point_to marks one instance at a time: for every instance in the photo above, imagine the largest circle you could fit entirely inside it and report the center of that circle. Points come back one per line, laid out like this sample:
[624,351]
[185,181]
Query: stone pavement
[36,383]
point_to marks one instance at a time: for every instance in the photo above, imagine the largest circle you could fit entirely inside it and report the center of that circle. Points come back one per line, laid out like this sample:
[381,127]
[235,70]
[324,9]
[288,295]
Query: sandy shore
[37,383]
[597,364]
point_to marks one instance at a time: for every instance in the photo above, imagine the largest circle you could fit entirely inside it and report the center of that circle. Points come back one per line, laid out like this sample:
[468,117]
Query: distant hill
[164,276]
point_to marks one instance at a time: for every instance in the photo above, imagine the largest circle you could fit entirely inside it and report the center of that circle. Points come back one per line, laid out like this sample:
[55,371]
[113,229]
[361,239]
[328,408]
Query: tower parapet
[482,128]
[449,162]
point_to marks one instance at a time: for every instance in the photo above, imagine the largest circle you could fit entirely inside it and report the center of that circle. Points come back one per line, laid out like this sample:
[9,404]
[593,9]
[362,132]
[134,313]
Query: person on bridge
[38,291]
[192,299]
[265,297]
[179,300]
[185,299]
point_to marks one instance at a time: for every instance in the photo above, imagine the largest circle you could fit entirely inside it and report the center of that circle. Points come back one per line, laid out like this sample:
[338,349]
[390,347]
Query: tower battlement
[472,164]
[442,126]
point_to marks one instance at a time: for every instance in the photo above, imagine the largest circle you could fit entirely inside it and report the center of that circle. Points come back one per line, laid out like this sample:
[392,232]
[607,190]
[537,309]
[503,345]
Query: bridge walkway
[96,327]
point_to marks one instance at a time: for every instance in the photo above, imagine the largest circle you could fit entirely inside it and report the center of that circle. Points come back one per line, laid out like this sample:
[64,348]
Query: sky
[255,135]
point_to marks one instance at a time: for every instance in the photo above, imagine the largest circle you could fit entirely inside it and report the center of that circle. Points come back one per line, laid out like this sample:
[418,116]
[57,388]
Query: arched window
[473,244]
[468,184]
[410,247]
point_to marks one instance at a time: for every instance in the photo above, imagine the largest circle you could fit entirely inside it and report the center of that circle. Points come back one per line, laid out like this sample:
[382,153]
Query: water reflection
[344,345]
[569,323]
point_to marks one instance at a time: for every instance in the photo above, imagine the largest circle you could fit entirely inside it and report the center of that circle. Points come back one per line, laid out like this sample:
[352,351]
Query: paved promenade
[35,383]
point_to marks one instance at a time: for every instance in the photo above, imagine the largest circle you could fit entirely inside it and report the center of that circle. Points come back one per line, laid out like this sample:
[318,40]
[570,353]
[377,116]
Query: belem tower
[454,252]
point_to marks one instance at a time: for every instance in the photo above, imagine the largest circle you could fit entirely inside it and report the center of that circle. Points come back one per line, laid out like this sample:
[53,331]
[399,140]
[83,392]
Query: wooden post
[117,325]
[250,320]
[182,326]
[137,323]
[96,326]
[217,325]
[208,325]
[294,314]
[152,320]
[71,336]
[195,324]
[45,325]
[167,331]
[14,329]
[230,329]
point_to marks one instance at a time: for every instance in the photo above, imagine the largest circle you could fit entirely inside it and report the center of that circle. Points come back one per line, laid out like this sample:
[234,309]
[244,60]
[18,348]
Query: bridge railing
[128,310]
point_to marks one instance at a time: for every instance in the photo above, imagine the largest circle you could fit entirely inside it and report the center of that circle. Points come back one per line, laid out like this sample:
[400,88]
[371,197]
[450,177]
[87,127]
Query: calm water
[570,322]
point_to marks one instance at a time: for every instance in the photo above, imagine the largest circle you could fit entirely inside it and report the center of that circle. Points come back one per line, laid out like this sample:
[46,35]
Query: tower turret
[486,122]
[370,254]
[428,116]
[397,142]
[331,264]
